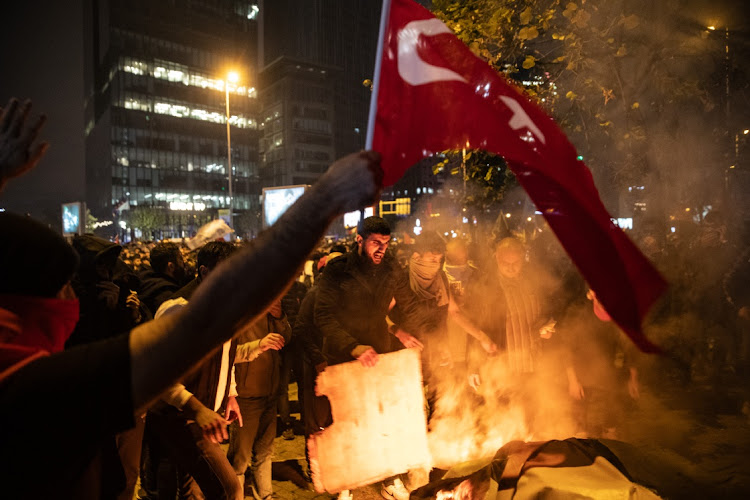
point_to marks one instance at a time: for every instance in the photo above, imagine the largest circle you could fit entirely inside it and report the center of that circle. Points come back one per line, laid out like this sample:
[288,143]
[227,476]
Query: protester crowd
[157,354]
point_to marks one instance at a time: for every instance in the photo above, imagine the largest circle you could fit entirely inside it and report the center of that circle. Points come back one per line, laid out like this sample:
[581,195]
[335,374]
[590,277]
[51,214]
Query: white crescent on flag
[411,68]
[520,119]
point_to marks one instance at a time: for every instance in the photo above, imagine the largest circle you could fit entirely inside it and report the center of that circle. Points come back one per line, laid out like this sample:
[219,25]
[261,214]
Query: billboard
[277,200]
[73,218]
[351,219]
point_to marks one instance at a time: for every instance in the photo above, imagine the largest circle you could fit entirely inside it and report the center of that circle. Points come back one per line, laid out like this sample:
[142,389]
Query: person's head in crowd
[510,256]
[403,254]
[35,284]
[333,255]
[325,259]
[166,258]
[338,248]
[427,254]
[373,237]
[98,258]
[211,254]
[456,252]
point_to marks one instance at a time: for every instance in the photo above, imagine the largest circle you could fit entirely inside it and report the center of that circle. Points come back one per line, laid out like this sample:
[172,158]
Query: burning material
[470,481]
[379,426]
[470,423]
[465,490]
[571,468]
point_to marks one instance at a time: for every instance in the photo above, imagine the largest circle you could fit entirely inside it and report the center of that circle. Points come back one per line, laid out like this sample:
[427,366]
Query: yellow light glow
[233,77]
[746,131]
[507,216]
[711,27]
[687,209]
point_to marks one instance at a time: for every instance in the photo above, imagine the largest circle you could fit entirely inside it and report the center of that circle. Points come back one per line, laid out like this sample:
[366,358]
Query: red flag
[433,94]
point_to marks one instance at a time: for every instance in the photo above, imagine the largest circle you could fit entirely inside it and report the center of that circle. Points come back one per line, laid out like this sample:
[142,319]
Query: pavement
[290,471]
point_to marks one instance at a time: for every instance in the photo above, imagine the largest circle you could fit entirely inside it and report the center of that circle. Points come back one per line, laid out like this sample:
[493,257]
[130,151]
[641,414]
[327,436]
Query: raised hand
[17,136]
[353,182]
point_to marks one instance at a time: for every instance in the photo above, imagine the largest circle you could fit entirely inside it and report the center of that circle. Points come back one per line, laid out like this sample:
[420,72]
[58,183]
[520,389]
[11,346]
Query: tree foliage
[147,219]
[90,221]
[486,176]
[616,74]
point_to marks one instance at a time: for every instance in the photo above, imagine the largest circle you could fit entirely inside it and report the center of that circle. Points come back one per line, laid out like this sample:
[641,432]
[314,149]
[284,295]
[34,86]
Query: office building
[314,58]
[155,107]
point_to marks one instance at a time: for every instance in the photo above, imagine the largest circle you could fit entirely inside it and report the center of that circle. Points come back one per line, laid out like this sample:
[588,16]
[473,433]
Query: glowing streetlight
[232,77]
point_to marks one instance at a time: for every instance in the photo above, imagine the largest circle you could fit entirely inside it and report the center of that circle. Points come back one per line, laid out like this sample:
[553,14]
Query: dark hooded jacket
[98,319]
[156,288]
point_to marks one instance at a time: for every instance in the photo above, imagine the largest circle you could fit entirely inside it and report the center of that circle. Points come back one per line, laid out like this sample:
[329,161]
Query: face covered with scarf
[424,276]
[38,309]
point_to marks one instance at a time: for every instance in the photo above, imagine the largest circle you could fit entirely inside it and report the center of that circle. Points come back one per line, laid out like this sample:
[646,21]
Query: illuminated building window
[164,70]
[184,111]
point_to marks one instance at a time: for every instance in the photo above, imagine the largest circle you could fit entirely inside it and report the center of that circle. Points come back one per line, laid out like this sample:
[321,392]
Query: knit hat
[34,260]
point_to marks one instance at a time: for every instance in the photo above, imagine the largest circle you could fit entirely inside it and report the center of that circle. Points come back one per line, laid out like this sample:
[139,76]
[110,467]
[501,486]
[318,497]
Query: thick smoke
[686,204]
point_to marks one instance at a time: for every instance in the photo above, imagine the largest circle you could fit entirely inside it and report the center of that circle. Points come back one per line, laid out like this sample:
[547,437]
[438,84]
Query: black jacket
[98,319]
[306,338]
[156,288]
[352,302]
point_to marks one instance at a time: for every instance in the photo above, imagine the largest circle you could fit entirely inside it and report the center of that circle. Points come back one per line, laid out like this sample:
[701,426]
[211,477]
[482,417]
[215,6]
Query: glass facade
[297,125]
[156,132]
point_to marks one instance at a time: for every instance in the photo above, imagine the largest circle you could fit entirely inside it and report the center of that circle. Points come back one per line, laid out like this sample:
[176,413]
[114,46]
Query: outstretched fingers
[7,115]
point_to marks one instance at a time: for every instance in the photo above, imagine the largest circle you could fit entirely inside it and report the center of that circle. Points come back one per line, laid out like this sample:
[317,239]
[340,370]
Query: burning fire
[469,424]
[464,491]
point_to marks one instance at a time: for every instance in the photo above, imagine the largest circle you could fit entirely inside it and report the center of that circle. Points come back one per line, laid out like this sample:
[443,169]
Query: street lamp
[232,77]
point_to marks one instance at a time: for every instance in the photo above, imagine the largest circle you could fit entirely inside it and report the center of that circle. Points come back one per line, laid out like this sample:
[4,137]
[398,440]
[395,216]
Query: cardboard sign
[379,424]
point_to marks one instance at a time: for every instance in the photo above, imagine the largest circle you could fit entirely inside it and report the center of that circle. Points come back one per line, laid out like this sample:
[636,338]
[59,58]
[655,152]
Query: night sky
[42,59]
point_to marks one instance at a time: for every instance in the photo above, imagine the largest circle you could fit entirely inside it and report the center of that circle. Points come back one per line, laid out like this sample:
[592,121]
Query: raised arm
[242,287]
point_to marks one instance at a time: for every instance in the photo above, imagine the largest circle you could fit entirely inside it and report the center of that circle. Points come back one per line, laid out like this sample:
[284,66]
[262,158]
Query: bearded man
[354,297]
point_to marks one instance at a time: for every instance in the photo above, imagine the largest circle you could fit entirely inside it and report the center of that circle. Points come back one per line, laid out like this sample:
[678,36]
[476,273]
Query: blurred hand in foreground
[353,182]
[17,136]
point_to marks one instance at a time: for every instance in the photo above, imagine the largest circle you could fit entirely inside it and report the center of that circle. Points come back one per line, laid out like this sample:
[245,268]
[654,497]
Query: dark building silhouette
[314,57]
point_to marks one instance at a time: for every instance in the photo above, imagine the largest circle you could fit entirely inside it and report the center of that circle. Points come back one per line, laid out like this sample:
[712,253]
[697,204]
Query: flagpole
[376,76]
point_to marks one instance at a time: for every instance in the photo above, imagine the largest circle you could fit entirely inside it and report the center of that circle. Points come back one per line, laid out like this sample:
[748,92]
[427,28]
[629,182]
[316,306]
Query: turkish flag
[434,94]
